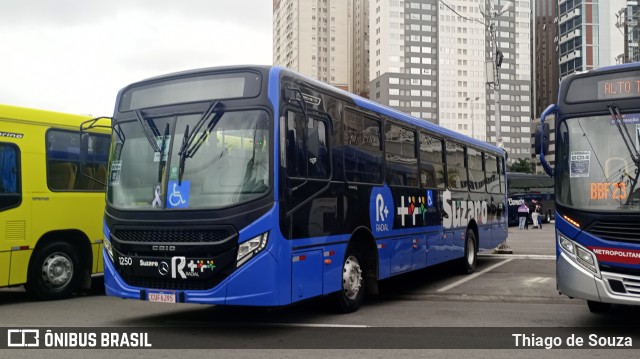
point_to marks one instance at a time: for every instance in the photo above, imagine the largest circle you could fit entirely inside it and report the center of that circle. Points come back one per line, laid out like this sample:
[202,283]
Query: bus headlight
[578,254]
[586,259]
[566,244]
[248,249]
[107,246]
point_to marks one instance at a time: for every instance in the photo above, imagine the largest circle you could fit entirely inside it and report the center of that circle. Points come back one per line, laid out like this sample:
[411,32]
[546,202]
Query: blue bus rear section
[314,219]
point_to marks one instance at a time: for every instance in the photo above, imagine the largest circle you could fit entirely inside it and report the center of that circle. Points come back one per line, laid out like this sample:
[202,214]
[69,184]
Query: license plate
[162,297]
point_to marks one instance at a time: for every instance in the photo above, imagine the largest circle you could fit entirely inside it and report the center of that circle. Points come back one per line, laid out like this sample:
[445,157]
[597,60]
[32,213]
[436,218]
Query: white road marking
[474,275]
[519,256]
[536,280]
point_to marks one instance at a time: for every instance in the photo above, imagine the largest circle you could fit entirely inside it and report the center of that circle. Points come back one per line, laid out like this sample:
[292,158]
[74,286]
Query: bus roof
[42,117]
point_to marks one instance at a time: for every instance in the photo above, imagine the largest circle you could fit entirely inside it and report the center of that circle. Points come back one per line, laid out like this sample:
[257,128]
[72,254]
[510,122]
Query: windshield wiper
[628,141]
[163,145]
[149,133]
[191,145]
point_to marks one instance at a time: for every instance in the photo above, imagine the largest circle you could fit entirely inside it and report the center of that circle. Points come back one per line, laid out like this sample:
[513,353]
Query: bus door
[13,212]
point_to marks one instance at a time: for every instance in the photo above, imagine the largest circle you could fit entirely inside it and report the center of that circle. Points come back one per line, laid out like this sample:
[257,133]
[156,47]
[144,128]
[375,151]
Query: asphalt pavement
[533,241]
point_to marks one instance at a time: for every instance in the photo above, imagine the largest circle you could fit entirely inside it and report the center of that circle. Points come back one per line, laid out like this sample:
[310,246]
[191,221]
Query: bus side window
[401,158]
[363,157]
[8,170]
[456,169]
[431,162]
[10,189]
[476,171]
[493,178]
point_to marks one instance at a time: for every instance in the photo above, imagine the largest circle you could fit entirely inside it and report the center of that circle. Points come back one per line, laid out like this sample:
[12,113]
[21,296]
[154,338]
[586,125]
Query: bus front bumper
[253,284]
[577,282]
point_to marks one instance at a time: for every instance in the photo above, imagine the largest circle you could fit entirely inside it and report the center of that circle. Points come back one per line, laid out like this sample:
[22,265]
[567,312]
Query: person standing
[523,213]
[540,212]
[534,213]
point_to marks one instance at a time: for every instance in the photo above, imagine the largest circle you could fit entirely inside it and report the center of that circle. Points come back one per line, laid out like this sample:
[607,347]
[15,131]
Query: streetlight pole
[491,15]
[473,101]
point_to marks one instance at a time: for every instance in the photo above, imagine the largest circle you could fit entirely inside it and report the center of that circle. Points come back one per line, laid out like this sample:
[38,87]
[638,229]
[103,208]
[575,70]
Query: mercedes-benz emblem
[163,268]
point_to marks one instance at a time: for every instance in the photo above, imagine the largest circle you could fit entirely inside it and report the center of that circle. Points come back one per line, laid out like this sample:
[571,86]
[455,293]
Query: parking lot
[507,291]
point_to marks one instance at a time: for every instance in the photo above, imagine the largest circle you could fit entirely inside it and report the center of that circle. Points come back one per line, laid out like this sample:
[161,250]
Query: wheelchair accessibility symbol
[178,196]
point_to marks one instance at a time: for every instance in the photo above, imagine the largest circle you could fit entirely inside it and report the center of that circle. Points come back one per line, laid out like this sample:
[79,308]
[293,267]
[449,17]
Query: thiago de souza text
[571,341]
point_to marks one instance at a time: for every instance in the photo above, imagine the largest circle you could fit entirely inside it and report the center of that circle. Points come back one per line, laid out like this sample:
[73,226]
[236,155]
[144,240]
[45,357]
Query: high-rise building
[627,21]
[424,57]
[359,47]
[545,56]
[312,37]
[427,58]
[587,35]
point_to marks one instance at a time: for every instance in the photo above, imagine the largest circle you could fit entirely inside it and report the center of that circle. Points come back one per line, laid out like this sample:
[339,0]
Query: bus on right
[597,202]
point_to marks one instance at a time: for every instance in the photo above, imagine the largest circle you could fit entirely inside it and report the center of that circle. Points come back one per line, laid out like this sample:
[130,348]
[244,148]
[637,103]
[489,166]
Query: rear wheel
[470,253]
[54,271]
[351,295]
[598,307]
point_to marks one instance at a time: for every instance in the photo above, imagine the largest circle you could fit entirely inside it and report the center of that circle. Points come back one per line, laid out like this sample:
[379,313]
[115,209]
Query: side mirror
[542,139]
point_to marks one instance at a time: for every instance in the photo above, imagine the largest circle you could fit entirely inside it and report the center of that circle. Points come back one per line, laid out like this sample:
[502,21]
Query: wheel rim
[471,251]
[57,270]
[351,278]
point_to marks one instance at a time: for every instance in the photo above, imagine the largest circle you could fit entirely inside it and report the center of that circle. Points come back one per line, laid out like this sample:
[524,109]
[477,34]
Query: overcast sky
[74,55]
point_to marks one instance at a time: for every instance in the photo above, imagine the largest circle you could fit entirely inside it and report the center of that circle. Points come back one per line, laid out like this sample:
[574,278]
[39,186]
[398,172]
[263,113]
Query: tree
[521,165]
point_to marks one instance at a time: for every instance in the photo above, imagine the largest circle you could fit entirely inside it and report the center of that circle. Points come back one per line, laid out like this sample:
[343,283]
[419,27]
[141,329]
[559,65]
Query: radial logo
[381,210]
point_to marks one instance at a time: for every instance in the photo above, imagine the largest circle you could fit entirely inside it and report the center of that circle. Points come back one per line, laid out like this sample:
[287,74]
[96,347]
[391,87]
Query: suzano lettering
[144,263]
[459,213]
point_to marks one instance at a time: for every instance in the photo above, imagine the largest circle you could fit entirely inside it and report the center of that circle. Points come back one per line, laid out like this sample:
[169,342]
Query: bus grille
[616,231]
[623,284]
[173,235]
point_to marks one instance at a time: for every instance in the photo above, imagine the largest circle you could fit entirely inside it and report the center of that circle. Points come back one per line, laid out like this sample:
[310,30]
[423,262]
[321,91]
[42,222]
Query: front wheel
[54,271]
[470,253]
[351,295]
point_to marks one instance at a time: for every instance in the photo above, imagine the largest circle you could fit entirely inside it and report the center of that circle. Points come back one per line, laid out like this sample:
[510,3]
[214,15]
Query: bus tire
[54,271]
[470,252]
[598,307]
[547,218]
[352,290]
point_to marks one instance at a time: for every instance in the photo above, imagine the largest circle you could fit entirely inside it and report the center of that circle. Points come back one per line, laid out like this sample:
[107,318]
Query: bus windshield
[594,166]
[231,166]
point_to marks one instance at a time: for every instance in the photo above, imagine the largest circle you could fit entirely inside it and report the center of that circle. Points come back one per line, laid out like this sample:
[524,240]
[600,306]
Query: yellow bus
[50,205]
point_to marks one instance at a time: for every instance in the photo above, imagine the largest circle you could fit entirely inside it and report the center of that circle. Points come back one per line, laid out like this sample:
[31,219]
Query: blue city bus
[254,185]
[527,187]
[597,132]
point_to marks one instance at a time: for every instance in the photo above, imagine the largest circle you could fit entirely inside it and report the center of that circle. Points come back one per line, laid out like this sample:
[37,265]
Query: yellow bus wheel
[54,271]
